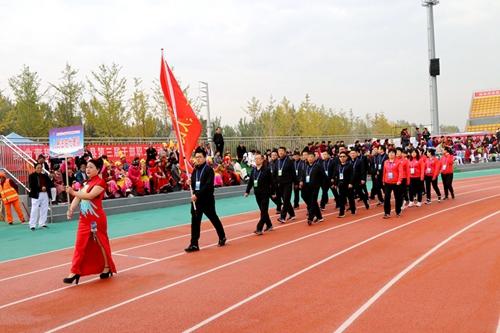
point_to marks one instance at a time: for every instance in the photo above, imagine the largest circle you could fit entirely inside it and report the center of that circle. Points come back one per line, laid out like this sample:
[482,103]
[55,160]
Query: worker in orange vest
[8,192]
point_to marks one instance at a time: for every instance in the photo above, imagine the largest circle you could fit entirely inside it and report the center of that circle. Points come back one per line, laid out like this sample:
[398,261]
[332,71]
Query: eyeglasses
[343,156]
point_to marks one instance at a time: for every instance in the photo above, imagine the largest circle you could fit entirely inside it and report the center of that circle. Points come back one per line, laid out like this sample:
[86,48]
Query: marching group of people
[405,175]
[408,175]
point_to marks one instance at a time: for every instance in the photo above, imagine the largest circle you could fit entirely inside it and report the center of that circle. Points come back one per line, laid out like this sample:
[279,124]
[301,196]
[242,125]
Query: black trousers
[207,208]
[416,189]
[263,203]
[285,192]
[277,201]
[358,189]
[364,189]
[404,190]
[396,191]
[296,195]
[325,187]
[310,197]
[346,194]
[448,184]
[428,182]
[377,188]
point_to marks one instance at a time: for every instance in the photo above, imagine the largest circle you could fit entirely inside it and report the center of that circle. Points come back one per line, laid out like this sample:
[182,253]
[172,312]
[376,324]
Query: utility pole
[206,102]
[434,69]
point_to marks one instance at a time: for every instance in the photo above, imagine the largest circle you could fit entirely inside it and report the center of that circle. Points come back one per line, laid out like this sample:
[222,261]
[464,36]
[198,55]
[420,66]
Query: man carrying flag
[187,130]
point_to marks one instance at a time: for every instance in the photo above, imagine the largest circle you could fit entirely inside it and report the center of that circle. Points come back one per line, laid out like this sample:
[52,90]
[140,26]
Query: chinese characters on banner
[113,151]
[66,142]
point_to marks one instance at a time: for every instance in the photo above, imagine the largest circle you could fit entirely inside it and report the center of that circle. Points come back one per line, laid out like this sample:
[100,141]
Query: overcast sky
[367,55]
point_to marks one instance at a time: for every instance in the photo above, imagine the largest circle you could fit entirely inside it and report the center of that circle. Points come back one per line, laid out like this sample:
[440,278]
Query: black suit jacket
[205,174]
[34,184]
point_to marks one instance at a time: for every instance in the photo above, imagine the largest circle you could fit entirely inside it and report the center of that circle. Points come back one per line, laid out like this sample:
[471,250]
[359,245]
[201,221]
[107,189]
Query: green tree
[6,108]
[449,129]
[144,124]
[105,113]
[30,116]
[68,97]
[160,111]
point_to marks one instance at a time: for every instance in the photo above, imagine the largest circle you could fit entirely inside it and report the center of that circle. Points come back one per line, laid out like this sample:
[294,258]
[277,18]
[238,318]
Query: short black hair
[200,150]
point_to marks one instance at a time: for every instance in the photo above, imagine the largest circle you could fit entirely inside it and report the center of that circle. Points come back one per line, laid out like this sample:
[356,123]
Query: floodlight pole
[429,4]
[206,101]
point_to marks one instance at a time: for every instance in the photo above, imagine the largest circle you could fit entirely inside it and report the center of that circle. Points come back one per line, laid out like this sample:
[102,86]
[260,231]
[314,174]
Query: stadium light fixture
[434,69]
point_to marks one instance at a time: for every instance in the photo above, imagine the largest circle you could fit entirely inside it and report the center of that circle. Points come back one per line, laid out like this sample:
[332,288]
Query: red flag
[186,125]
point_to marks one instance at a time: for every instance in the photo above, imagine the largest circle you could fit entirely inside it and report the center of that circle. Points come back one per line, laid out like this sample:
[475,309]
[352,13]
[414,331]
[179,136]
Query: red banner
[113,151]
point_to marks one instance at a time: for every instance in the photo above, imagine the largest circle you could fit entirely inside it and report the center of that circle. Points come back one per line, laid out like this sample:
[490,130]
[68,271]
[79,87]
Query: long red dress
[87,258]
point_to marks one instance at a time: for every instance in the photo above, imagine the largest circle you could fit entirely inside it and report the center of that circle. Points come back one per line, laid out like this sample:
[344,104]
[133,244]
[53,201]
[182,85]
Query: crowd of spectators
[160,171]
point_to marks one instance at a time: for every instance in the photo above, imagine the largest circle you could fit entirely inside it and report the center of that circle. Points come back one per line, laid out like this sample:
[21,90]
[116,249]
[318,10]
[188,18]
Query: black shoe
[367,205]
[445,198]
[44,226]
[11,223]
[309,222]
[32,229]
[453,195]
[341,216]
[106,274]
[269,229]
[386,216]
[222,241]
[70,280]
[280,220]
[258,232]
[192,248]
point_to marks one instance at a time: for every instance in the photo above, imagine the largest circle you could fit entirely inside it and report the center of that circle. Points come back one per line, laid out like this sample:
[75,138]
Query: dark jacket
[205,175]
[265,184]
[346,170]
[287,171]
[359,170]
[328,168]
[298,169]
[316,174]
[35,183]
[218,140]
[240,151]
[379,161]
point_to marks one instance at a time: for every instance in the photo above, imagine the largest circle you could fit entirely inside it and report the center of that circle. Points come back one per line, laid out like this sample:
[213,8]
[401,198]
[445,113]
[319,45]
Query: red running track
[317,277]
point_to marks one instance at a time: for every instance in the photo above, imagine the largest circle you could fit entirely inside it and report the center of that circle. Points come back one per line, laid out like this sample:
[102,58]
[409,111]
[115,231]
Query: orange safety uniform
[10,198]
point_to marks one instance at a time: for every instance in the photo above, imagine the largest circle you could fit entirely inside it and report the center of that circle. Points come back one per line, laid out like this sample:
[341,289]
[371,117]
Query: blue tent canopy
[18,140]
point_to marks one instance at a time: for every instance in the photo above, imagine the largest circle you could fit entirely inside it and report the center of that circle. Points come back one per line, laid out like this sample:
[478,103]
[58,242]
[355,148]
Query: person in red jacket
[431,173]
[402,156]
[392,177]
[447,162]
[416,171]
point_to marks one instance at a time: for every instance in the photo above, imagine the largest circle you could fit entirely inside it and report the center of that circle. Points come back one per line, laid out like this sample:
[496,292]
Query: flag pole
[178,134]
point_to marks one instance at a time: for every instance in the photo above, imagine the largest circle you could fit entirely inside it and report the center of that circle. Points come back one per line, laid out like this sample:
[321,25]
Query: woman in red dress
[92,250]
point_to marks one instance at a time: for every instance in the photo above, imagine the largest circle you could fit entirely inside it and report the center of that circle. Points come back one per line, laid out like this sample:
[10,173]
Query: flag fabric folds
[185,123]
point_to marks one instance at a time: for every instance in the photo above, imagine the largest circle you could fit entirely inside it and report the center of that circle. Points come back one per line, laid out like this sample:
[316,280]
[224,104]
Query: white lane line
[318,263]
[126,236]
[498,327]
[163,259]
[135,257]
[160,241]
[167,258]
[457,182]
[405,271]
[126,249]
[192,277]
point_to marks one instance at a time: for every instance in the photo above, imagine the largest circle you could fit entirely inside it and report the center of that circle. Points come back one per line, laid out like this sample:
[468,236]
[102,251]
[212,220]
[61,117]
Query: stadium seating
[484,112]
